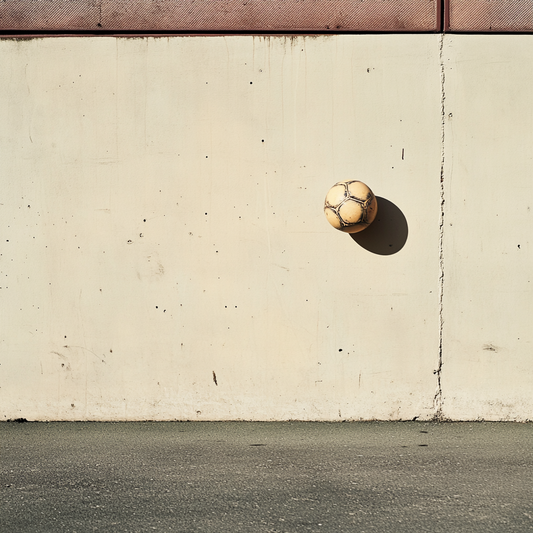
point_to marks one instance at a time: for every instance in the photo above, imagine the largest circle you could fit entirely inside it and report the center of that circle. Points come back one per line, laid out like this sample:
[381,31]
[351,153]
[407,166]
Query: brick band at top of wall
[489,15]
[220,15]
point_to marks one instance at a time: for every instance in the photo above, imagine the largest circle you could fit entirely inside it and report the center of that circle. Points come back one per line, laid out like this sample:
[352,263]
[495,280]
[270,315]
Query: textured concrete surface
[266,477]
[176,229]
[164,254]
[487,229]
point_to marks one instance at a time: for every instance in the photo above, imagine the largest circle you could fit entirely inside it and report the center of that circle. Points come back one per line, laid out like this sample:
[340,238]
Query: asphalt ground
[266,477]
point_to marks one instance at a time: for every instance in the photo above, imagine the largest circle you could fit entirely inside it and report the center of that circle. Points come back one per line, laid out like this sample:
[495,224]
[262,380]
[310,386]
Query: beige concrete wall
[165,254]
[487,367]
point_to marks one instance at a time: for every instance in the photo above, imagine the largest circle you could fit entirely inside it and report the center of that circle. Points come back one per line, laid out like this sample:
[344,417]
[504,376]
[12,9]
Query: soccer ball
[350,206]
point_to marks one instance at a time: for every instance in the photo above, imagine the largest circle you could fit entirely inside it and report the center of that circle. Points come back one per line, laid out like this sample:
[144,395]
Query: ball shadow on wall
[387,235]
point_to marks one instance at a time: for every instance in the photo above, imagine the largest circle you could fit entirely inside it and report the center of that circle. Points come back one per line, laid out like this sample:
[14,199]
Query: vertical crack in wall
[438,372]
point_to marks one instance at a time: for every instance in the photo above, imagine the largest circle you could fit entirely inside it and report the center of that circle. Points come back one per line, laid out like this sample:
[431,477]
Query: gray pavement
[266,477]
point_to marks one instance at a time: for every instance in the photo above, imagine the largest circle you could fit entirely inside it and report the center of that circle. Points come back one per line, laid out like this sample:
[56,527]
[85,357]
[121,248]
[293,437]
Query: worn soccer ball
[350,206]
